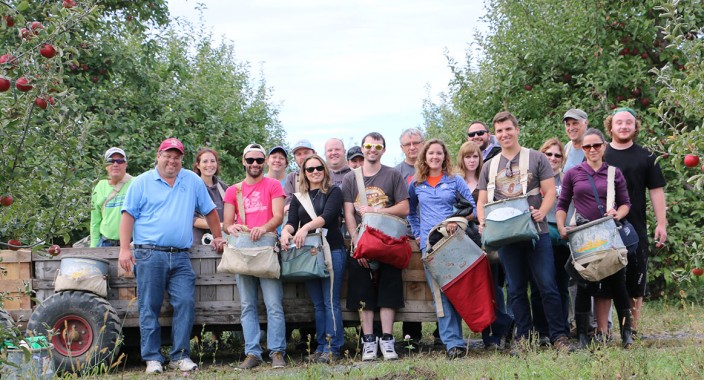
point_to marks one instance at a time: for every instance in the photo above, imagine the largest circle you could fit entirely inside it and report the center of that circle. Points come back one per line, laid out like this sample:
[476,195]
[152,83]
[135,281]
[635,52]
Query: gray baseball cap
[301,144]
[575,113]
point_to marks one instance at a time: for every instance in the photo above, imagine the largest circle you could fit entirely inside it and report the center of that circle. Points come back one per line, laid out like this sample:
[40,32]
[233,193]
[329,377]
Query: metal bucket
[83,266]
[39,364]
[242,240]
[390,225]
[594,237]
[451,257]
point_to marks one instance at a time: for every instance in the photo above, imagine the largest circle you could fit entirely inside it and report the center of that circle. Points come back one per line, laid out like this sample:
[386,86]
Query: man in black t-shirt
[642,172]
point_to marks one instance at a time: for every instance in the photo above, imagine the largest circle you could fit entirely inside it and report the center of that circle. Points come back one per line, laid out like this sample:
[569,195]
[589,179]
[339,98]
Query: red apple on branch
[14,244]
[47,51]
[54,250]
[9,21]
[40,102]
[23,85]
[697,271]
[691,160]
[6,200]
[68,4]
[5,84]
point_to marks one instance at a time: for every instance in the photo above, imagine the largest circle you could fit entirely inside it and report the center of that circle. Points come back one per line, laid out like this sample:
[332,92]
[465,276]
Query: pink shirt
[257,201]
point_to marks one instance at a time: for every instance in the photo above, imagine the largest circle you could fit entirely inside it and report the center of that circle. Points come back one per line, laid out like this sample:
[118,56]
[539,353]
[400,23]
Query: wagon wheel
[85,329]
[7,324]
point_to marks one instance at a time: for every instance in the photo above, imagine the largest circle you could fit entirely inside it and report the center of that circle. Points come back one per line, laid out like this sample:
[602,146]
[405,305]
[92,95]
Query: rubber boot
[624,320]
[582,322]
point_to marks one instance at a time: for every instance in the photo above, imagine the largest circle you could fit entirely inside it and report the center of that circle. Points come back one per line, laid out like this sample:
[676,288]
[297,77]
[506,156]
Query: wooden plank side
[19,256]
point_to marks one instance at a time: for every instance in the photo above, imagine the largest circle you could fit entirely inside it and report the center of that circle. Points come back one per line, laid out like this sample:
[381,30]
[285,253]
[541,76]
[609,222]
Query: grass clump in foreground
[670,349]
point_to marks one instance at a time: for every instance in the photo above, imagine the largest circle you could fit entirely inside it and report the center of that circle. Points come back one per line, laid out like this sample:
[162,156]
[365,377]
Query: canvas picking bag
[508,221]
[244,256]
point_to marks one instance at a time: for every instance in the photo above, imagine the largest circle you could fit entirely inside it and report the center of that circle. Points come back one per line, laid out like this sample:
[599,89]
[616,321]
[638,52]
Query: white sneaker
[185,365]
[369,349]
[154,366]
[387,349]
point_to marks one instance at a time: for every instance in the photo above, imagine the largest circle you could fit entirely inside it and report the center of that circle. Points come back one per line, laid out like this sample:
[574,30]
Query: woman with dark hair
[433,193]
[327,202]
[579,185]
[207,166]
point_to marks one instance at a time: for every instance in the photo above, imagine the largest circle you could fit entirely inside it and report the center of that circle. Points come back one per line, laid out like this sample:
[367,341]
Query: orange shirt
[433,181]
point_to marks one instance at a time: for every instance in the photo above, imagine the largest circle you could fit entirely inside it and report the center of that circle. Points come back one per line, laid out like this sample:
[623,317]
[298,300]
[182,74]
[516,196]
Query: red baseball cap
[171,143]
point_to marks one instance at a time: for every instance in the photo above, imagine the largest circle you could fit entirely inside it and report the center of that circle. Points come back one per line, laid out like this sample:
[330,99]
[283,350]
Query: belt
[111,241]
[160,248]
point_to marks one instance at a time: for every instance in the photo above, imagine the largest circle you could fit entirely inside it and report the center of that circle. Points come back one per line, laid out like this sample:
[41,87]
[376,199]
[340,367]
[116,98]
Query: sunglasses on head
[477,133]
[312,169]
[596,146]
[250,160]
[557,155]
[118,161]
[375,146]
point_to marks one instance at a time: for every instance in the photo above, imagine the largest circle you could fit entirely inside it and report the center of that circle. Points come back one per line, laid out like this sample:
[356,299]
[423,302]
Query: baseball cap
[353,152]
[575,113]
[279,148]
[302,144]
[171,143]
[253,148]
[114,150]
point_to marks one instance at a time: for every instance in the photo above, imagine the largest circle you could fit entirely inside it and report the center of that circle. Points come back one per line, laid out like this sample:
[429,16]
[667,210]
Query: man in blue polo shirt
[159,211]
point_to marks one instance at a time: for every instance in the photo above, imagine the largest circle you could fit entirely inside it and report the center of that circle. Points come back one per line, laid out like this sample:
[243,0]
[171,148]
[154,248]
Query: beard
[615,137]
[255,172]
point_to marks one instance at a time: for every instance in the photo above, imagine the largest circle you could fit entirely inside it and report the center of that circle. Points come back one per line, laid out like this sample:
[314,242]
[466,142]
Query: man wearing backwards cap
[106,201]
[576,123]
[263,202]
[159,209]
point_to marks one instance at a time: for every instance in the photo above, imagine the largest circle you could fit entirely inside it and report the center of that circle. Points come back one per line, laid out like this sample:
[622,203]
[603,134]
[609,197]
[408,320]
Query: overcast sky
[344,68]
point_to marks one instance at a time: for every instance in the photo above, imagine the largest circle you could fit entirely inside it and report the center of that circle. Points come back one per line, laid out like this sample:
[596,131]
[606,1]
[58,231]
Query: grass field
[672,334]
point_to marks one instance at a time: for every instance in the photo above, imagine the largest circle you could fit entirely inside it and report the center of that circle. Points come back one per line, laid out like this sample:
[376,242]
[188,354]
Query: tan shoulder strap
[523,161]
[493,170]
[610,192]
[220,190]
[359,178]
[240,203]
[568,148]
[116,189]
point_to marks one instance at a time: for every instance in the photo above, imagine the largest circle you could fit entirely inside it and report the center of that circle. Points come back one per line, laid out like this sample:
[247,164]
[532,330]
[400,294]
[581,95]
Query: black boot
[624,320]
[582,322]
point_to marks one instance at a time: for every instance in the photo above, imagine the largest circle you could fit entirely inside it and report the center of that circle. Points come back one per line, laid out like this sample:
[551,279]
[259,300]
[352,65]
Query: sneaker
[369,347]
[492,347]
[544,341]
[456,352]
[563,344]
[277,360]
[250,362]
[154,366]
[387,348]
[328,358]
[185,365]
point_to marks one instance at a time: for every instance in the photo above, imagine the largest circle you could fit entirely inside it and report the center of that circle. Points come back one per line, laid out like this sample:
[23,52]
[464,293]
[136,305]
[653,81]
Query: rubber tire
[89,311]
[7,325]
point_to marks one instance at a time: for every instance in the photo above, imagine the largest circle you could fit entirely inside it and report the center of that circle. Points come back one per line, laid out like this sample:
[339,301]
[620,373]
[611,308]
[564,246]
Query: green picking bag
[305,263]
[508,221]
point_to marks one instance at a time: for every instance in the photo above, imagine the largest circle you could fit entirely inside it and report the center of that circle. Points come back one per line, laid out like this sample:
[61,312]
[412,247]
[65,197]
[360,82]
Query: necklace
[317,191]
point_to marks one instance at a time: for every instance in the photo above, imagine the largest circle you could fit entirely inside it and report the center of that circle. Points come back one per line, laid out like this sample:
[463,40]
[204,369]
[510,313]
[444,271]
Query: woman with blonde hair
[469,165]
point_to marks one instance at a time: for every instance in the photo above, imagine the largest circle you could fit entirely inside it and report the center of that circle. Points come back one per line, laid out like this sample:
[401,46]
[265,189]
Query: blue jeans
[156,272]
[325,311]
[449,326]
[520,260]
[273,293]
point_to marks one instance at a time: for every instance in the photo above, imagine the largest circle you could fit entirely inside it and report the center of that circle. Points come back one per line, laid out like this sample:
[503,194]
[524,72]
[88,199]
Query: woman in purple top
[577,187]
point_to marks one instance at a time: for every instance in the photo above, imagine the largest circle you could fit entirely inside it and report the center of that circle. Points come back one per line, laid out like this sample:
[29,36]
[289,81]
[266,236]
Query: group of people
[424,188]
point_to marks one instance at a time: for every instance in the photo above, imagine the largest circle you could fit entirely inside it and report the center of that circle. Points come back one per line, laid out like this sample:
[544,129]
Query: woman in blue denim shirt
[433,192]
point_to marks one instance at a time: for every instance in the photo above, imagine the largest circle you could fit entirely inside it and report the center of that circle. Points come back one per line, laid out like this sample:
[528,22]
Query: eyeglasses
[509,171]
[312,169]
[375,146]
[477,133]
[410,144]
[118,161]
[250,160]
[557,155]
[596,146]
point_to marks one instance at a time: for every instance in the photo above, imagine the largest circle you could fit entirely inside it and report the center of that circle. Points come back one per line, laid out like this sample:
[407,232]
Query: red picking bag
[376,245]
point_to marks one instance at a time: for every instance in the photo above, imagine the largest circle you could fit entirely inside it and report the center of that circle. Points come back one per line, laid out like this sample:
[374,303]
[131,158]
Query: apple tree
[542,57]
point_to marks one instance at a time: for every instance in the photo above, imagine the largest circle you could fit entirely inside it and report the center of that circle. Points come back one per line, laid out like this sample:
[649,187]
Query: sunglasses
[375,146]
[312,169]
[250,160]
[118,161]
[509,170]
[477,133]
[596,146]
[557,155]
